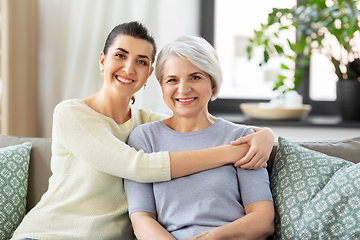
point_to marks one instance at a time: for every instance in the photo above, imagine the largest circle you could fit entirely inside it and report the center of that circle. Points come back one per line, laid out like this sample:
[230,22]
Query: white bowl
[255,112]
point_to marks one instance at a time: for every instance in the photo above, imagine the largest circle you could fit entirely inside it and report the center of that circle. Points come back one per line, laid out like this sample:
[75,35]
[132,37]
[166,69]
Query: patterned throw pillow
[14,165]
[316,196]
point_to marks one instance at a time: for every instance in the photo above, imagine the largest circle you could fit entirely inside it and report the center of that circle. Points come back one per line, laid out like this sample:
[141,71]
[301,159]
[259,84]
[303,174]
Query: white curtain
[72,35]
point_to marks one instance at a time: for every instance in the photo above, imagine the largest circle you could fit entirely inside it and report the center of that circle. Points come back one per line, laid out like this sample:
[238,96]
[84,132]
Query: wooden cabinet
[19,67]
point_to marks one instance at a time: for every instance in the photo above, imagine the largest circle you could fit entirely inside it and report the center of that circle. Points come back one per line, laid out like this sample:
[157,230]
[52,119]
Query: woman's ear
[151,71]
[102,62]
[213,89]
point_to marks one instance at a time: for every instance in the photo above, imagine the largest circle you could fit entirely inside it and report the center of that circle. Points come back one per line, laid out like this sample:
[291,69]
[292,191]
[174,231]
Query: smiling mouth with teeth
[186,100]
[124,80]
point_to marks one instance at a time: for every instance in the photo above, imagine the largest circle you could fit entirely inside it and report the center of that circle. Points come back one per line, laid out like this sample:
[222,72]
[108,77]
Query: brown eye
[119,55]
[142,62]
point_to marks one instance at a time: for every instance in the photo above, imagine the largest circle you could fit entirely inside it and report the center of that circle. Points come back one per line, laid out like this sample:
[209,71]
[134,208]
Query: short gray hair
[196,50]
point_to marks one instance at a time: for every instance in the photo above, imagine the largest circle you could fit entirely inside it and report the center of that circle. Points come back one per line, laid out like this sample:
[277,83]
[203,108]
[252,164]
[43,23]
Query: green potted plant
[317,22]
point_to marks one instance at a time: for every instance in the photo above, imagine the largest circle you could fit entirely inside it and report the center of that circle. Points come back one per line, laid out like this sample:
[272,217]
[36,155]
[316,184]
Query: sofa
[286,161]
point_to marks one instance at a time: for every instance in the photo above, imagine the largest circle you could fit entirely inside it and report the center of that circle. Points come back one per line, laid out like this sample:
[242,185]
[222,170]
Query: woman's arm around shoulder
[97,140]
[84,134]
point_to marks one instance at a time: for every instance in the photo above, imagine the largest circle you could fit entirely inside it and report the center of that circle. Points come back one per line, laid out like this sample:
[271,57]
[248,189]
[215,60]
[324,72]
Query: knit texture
[86,197]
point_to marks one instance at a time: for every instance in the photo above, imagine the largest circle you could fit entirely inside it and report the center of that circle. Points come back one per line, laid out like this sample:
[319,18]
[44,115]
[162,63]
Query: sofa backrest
[39,168]
[40,172]
[348,149]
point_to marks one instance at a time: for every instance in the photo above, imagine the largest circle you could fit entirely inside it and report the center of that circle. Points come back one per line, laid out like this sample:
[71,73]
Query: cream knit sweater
[86,197]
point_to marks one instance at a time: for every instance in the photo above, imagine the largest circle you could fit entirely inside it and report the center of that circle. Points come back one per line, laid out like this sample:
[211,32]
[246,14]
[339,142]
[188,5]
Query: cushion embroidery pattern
[316,196]
[14,165]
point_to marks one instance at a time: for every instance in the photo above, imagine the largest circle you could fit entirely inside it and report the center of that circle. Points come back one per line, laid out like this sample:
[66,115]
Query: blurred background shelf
[312,128]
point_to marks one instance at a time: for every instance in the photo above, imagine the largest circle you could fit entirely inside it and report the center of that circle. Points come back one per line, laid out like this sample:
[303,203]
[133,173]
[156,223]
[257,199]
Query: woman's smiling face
[127,65]
[186,89]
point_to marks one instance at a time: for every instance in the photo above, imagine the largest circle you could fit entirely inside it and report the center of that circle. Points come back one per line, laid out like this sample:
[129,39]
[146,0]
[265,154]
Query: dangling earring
[102,73]
[144,86]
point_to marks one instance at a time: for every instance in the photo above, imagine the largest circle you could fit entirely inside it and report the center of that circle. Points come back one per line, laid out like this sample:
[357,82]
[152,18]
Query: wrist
[215,234]
[230,155]
[236,152]
[270,133]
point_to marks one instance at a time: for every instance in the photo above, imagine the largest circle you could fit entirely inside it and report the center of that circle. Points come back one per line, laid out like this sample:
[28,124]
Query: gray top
[190,205]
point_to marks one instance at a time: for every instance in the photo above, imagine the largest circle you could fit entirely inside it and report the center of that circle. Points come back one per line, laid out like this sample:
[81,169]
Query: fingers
[241,140]
[247,159]
[260,164]
[256,162]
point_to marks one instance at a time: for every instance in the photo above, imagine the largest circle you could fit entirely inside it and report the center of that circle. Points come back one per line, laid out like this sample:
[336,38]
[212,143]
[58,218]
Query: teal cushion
[14,165]
[316,196]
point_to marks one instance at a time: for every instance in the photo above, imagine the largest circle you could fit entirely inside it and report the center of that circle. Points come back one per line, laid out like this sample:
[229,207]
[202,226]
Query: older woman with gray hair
[227,202]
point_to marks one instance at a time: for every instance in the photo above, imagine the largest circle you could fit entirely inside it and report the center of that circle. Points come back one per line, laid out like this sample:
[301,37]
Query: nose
[184,87]
[129,67]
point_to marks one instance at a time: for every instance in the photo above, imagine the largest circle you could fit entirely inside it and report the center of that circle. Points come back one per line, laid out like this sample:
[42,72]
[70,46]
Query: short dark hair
[134,29]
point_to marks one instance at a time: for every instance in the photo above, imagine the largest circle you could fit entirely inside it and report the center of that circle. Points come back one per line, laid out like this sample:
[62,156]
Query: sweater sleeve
[88,138]
[140,196]
[254,185]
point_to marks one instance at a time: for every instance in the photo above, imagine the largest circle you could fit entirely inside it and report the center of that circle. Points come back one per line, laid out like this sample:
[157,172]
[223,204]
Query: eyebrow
[191,74]
[195,73]
[127,52]
[170,76]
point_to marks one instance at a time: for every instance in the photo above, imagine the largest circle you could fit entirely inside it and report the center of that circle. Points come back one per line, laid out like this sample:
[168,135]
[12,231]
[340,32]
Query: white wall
[71,37]
[174,19]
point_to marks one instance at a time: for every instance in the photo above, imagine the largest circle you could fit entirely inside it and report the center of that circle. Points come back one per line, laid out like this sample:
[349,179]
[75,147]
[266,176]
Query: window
[232,23]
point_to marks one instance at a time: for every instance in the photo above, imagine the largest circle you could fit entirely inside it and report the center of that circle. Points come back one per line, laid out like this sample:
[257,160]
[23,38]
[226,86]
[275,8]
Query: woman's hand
[261,143]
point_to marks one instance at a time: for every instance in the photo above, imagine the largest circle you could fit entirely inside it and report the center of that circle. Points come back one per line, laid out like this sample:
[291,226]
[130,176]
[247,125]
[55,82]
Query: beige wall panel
[19,67]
